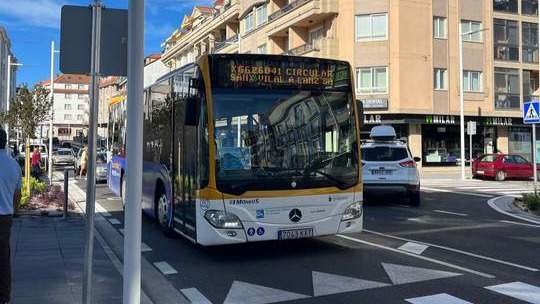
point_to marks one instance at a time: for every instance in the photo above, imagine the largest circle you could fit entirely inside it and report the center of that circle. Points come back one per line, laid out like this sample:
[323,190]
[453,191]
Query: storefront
[436,138]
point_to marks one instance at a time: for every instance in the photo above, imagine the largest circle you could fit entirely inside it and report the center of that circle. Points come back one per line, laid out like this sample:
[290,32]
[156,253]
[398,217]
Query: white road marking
[114,221]
[195,296]
[455,192]
[441,298]
[449,212]
[518,223]
[246,293]
[327,284]
[400,274]
[518,290]
[494,206]
[145,247]
[114,199]
[516,192]
[478,273]
[454,250]
[413,247]
[165,268]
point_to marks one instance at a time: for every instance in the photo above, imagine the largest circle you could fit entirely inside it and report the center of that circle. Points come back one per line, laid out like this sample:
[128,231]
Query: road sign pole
[91,162]
[134,160]
[470,152]
[534,156]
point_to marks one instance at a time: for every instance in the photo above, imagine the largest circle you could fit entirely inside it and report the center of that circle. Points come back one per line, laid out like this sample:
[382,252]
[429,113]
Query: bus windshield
[284,139]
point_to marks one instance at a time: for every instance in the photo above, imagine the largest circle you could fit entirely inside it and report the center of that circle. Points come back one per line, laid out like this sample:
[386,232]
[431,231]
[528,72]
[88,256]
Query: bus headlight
[223,220]
[352,212]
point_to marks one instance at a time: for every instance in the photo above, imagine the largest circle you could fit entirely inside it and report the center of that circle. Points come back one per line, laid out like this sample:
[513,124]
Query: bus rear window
[384,153]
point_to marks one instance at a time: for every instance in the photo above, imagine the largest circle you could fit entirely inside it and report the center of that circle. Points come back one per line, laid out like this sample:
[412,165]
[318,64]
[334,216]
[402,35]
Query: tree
[27,110]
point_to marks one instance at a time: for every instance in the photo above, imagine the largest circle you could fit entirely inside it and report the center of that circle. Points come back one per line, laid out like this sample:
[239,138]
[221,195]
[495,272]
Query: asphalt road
[452,249]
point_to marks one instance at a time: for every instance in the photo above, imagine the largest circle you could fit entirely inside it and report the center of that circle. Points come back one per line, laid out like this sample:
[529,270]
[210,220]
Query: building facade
[70,107]
[406,57]
[7,59]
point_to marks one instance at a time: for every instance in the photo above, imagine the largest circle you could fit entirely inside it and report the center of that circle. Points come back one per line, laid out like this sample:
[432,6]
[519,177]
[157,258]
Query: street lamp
[51,112]
[461,103]
[8,91]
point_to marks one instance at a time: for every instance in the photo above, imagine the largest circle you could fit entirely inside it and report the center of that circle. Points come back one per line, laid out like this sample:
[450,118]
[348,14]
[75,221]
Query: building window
[472,27]
[81,86]
[261,49]
[64,131]
[68,86]
[371,27]
[505,36]
[68,117]
[507,88]
[506,6]
[67,107]
[67,96]
[80,96]
[79,117]
[248,23]
[372,80]
[80,107]
[439,27]
[529,39]
[530,84]
[472,81]
[439,79]
[529,7]
[262,15]
[315,37]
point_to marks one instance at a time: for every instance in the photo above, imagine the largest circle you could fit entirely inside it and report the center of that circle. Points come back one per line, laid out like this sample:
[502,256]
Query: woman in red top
[36,163]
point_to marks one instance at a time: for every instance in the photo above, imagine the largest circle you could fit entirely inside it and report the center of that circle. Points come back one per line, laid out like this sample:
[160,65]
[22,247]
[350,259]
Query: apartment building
[70,106]
[406,57]
[7,59]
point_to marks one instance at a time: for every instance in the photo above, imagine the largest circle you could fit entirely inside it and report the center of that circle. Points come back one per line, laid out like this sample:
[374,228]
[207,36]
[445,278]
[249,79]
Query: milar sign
[441,119]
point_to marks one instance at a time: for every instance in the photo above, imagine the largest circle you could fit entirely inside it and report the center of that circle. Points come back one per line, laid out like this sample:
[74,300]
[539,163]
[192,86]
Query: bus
[244,148]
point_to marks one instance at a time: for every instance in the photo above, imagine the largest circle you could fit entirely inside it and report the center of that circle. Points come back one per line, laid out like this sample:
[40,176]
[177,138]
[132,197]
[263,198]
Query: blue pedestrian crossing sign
[531,112]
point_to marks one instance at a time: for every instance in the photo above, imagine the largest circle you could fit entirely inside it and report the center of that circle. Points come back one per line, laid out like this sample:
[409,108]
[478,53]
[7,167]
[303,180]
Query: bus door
[178,163]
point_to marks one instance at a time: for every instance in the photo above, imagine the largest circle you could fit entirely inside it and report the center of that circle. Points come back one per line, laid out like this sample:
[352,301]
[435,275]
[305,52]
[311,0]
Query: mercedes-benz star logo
[295,215]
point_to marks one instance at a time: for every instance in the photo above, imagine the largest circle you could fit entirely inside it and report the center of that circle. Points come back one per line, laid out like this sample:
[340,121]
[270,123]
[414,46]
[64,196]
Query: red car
[502,166]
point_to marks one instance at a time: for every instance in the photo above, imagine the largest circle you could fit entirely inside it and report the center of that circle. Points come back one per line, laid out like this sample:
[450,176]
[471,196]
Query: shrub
[36,187]
[532,201]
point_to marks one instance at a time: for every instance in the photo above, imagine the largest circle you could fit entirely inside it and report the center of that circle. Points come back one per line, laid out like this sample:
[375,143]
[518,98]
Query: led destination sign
[286,73]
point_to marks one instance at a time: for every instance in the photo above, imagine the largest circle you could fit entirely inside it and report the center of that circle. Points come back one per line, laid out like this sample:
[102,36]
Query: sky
[32,24]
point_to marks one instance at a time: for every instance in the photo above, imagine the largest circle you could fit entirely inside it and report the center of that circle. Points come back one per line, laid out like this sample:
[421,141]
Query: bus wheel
[163,210]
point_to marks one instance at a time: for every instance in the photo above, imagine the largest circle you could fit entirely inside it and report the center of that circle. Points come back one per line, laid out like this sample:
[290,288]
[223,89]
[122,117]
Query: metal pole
[461,114]
[91,163]
[470,152]
[534,156]
[134,104]
[66,190]
[7,98]
[51,113]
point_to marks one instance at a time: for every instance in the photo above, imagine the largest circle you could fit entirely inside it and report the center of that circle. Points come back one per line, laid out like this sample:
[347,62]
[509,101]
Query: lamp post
[51,111]
[461,102]
[8,92]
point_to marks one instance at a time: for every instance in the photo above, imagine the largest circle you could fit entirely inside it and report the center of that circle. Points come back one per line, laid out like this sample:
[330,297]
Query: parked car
[63,157]
[44,154]
[388,166]
[101,167]
[502,166]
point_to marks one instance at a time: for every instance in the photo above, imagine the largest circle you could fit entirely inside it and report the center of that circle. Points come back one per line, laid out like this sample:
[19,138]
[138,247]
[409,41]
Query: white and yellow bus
[244,148]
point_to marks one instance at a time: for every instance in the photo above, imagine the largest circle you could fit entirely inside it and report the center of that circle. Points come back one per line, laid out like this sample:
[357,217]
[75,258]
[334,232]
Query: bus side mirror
[360,107]
[192,111]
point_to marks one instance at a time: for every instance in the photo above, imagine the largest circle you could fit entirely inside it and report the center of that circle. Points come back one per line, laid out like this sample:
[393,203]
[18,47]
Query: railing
[285,9]
[219,45]
[305,48]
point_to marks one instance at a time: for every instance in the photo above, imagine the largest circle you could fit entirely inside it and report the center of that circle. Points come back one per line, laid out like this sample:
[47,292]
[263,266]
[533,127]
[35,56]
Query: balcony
[285,9]
[220,45]
[301,13]
[302,50]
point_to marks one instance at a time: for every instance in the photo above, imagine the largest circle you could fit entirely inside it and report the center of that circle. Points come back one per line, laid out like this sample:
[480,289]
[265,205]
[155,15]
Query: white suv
[388,166]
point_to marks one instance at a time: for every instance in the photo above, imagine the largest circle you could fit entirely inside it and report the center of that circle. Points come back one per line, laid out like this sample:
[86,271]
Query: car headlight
[222,219]
[101,169]
[352,212]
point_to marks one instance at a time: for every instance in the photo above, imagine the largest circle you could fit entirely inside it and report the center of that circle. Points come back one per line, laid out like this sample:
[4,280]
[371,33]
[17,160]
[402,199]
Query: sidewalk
[47,263]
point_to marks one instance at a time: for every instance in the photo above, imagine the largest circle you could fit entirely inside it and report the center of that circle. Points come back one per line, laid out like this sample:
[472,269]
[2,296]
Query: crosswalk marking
[413,247]
[518,290]
[327,284]
[114,221]
[400,274]
[441,298]
[165,268]
[246,293]
[195,296]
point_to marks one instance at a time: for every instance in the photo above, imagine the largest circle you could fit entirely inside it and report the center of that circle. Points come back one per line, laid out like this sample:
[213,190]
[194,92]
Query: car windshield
[62,152]
[382,153]
[101,158]
[488,159]
[272,139]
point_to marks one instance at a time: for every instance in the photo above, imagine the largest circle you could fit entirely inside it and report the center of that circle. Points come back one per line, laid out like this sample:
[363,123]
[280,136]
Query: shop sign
[441,119]
[372,119]
[499,121]
[375,103]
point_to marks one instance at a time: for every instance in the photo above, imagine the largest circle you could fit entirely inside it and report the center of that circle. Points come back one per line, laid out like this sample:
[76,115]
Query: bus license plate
[295,234]
[381,172]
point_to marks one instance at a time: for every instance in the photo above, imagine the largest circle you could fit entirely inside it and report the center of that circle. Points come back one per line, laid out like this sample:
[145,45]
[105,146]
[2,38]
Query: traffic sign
[471,127]
[531,112]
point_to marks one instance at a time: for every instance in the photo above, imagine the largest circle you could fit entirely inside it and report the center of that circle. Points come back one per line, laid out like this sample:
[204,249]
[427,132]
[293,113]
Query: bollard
[66,177]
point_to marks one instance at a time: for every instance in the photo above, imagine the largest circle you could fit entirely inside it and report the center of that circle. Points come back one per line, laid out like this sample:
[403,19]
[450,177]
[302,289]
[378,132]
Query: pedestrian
[10,196]
[36,163]
[84,162]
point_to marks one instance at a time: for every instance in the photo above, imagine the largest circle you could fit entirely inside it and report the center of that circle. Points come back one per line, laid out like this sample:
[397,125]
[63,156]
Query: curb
[155,288]
[504,205]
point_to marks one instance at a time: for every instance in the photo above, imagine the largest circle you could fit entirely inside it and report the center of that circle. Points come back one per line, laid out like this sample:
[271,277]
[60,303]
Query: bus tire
[162,207]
